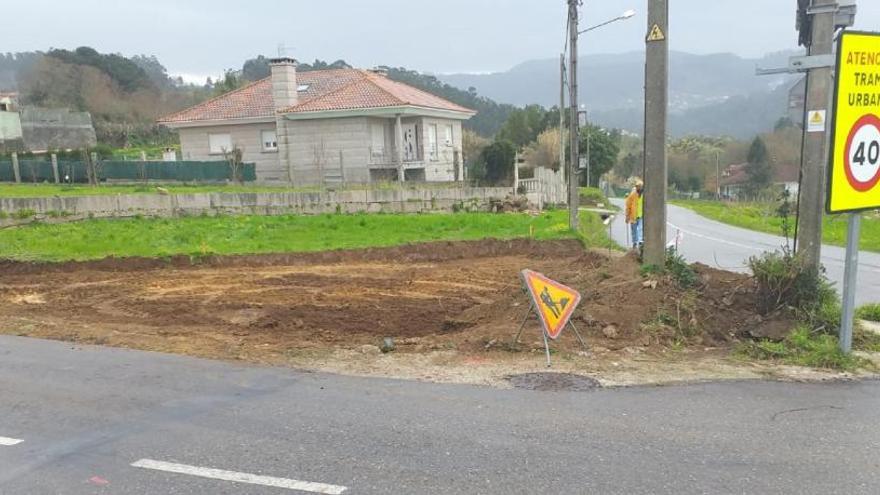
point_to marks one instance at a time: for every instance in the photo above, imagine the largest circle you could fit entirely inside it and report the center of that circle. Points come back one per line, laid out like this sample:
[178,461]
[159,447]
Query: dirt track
[457,302]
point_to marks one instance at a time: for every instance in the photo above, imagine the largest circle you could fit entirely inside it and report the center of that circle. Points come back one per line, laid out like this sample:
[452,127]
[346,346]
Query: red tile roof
[337,89]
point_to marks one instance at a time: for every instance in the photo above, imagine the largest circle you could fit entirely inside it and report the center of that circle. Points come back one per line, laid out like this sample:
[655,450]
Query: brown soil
[458,297]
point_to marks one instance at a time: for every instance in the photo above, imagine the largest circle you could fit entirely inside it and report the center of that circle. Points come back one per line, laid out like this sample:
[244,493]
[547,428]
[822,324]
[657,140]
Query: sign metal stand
[559,303]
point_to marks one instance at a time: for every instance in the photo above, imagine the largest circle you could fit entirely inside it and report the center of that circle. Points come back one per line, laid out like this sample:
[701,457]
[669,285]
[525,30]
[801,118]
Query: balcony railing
[388,157]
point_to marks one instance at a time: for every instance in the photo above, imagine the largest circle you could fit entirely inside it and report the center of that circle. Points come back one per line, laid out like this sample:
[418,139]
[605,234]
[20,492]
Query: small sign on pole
[854,165]
[554,304]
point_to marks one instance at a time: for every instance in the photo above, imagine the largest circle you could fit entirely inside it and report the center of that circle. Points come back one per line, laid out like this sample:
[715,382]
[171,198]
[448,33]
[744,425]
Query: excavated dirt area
[452,310]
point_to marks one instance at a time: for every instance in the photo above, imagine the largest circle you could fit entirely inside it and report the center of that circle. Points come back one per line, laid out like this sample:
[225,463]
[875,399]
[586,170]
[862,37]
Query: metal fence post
[15,170]
[55,168]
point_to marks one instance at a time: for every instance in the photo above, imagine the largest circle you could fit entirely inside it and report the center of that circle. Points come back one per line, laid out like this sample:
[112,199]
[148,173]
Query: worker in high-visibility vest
[635,212]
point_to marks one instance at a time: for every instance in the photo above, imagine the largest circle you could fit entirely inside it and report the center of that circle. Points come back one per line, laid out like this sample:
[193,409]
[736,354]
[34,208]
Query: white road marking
[253,479]
[9,442]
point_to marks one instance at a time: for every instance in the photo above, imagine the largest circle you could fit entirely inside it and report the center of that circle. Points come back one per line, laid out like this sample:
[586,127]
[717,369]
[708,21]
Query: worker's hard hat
[638,183]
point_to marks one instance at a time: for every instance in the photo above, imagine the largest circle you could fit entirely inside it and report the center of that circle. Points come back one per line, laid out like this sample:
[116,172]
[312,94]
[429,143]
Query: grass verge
[199,236]
[870,312]
[804,348]
[761,217]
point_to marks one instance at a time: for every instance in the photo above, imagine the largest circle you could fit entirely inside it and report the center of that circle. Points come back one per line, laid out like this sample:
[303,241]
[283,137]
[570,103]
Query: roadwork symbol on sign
[554,304]
[656,34]
[854,168]
[553,301]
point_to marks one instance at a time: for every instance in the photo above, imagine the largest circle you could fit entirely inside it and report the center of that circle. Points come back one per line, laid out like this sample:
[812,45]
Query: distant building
[36,129]
[327,126]
[734,179]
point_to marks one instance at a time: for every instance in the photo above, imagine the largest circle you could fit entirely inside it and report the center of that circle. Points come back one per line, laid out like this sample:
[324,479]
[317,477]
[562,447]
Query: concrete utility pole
[815,152]
[562,115]
[656,100]
[573,198]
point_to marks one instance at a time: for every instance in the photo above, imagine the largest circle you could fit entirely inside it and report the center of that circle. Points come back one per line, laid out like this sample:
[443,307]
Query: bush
[592,196]
[870,312]
[785,280]
[679,269]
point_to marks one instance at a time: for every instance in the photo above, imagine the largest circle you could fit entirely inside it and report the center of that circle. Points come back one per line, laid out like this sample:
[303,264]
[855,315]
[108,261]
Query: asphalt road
[97,420]
[724,246]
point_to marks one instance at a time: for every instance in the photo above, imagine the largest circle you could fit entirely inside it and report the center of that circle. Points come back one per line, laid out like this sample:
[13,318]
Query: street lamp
[626,15]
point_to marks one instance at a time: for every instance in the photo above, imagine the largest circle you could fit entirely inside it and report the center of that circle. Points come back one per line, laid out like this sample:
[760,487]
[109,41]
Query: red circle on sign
[858,185]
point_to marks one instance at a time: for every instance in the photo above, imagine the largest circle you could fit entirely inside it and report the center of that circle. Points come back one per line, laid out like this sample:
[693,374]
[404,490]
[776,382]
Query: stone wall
[20,210]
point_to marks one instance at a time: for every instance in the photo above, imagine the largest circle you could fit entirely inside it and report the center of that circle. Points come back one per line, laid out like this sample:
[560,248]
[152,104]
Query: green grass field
[762,217]
[197,236]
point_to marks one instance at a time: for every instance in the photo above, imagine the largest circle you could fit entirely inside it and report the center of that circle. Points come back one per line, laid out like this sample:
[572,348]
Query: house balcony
[387,159]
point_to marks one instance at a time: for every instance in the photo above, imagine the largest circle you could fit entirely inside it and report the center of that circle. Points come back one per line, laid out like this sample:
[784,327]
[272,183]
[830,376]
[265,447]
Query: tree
[758,169]
[472,146]
[255,69]
[604,147]
[544,152]
[499,158]
[231,81]
[524,125]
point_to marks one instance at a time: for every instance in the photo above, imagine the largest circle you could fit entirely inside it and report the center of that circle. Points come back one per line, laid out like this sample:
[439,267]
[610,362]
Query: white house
[328,126]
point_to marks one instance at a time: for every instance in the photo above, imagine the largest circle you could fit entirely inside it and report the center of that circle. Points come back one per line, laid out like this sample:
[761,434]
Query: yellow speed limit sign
[854,177]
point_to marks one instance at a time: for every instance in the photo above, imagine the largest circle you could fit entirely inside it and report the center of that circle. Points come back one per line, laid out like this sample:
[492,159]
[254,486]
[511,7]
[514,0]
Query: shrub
[25,213]
[683,274]
[592,196]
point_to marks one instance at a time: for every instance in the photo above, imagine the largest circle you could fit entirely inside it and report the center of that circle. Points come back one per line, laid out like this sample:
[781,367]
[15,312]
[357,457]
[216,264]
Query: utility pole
[656,101]
[717,175]
[562,115]
[815,152]
[573,198]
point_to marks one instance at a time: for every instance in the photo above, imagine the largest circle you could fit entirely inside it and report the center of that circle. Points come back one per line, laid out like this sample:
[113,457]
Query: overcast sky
[203,37]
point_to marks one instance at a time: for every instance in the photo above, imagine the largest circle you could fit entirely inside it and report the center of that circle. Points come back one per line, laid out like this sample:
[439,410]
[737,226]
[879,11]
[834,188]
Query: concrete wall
[10,126]
[315,146]
[194,145]
[56,128]
[353,201]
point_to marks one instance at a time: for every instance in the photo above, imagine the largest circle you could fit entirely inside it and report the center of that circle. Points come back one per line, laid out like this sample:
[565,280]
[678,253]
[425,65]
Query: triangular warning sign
[816,118]
[553,301]
[656,34]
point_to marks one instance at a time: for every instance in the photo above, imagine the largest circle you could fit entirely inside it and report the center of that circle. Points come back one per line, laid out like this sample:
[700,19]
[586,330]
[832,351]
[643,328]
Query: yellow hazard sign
[854,168]
[553,301]
[656,34]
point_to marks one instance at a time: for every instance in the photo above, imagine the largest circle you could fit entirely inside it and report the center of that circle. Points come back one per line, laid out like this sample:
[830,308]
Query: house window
[269,139]
[432,141]
[377,139]
[219,143]
[449,135]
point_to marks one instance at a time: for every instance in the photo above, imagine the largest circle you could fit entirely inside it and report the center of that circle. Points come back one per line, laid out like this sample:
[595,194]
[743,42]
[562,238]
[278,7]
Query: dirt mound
[621,308]
[464,296]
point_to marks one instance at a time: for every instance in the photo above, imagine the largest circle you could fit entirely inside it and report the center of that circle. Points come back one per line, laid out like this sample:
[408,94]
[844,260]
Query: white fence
[546,187]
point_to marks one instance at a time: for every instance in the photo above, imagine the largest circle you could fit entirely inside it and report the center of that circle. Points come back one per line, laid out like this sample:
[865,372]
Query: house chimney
[284,86]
